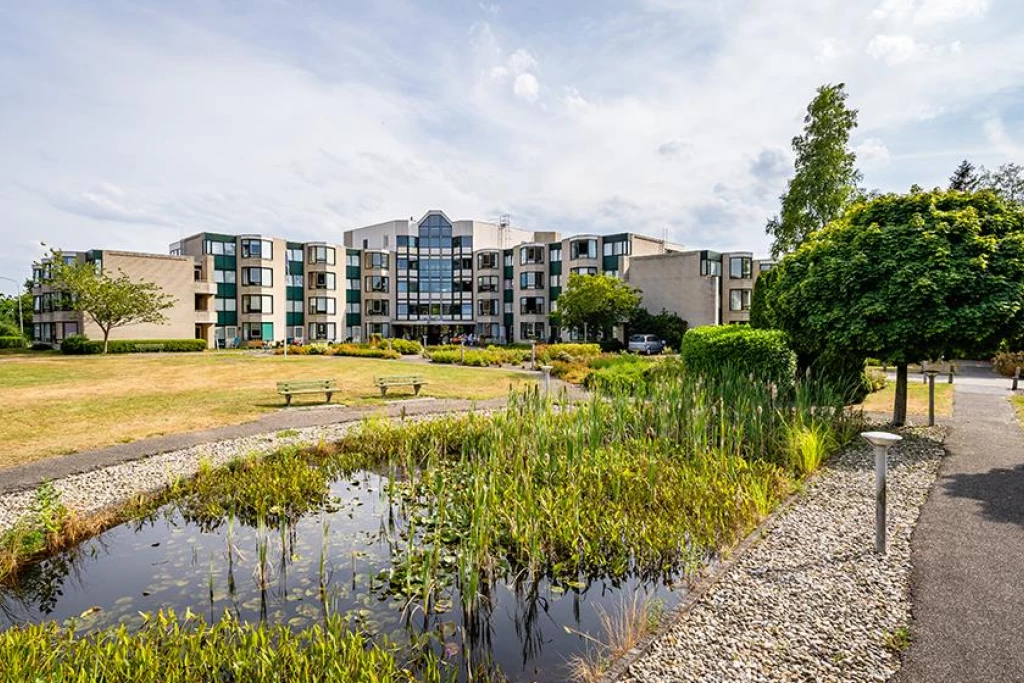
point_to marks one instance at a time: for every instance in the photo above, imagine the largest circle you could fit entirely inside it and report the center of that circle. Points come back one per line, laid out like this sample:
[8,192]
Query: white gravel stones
[812,601]
[93,491]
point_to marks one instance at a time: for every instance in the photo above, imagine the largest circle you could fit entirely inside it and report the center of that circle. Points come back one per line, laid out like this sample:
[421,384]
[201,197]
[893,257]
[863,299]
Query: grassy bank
[917,398]
[56,404]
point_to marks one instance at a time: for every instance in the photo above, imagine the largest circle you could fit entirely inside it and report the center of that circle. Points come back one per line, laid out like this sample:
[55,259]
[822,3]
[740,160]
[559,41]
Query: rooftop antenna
[504,222]
[664,238]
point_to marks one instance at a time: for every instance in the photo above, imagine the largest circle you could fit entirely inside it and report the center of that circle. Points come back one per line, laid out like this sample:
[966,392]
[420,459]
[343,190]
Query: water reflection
[295,571]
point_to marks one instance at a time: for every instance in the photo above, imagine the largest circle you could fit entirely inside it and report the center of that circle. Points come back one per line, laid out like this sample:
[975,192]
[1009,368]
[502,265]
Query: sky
[127,125]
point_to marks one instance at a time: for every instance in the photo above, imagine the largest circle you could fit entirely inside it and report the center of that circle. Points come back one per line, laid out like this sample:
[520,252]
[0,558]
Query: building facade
[428,279]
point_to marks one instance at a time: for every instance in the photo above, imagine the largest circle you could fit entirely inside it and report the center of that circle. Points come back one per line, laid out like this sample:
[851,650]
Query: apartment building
[191,316]
[428,279]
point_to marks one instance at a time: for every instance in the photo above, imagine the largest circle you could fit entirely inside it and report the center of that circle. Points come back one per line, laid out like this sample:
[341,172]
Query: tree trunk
[106,335]
[899,408]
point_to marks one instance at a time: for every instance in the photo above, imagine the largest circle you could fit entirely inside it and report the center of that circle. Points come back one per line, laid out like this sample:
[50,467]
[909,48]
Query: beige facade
[673,282]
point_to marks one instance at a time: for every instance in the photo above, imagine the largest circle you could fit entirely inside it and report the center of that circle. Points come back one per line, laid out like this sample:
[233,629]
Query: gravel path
[811,601]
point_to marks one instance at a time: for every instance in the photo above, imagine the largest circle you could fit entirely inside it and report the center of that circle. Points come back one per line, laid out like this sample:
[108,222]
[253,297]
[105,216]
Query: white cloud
[897,49]
[941,11]
[872,154]
[828,51]
[527,87]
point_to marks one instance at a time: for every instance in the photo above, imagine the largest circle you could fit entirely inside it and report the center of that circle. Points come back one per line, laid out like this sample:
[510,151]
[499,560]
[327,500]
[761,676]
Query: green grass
[917,398]
[56,404]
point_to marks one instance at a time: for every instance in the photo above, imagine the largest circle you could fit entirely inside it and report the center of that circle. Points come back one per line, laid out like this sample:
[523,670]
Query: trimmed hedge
[12,342]
[406,347]
[762,353]
[360,351]
[78,344]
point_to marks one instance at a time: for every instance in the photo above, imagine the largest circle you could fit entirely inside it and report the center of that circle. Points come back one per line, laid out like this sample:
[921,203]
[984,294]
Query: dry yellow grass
[56,404]
[917,399]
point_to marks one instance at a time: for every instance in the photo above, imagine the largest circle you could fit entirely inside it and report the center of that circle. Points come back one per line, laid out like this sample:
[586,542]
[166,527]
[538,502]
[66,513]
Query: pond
[336,559]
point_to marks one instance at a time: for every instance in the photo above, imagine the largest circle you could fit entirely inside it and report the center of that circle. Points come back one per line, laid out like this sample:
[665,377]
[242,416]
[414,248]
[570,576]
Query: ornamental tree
[904,278]
[110,301]
[596,302]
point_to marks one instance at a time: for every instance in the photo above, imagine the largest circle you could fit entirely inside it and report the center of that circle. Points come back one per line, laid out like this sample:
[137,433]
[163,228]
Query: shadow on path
[1000,492]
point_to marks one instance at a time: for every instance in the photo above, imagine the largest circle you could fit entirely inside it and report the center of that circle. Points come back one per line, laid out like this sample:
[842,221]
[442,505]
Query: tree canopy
[904,278]
[596,302]
[111,301]
[826,176]
[965,178]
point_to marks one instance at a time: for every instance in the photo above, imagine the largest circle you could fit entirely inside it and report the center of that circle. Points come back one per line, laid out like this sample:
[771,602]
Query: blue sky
[131,124]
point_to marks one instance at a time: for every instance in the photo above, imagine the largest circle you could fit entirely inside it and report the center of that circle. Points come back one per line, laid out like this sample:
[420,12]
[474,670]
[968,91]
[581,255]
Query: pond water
[527,632]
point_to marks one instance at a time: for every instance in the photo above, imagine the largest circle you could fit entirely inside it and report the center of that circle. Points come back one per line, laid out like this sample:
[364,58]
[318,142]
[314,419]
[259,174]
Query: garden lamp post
[546,369]
[881,442]
[931,396]
[21,317]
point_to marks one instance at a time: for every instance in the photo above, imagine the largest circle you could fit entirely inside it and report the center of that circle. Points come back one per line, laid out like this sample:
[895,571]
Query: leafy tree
[905,278]
[667,326]
[965,178]
[110,301]
[596,302]
[1007,181]
[9,319]
[825,180]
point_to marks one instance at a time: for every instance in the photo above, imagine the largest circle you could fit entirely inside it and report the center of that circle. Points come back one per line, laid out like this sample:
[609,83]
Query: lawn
[57,404]
[917,399]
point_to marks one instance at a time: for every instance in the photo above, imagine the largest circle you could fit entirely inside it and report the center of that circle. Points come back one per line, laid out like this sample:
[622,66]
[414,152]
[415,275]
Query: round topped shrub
[761,353]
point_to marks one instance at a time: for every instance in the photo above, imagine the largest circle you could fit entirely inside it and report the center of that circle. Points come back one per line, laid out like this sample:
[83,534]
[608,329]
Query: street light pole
[21,317]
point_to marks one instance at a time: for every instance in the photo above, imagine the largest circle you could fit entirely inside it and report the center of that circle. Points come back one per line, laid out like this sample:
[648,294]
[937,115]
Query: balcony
[206,317]
[203,287]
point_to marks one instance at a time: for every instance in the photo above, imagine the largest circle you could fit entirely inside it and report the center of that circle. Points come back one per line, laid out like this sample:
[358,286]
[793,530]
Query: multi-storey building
[427,279]
[191,314]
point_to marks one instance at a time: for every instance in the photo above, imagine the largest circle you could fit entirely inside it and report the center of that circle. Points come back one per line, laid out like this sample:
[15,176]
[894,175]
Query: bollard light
[546,369]
[881,442]
[931,396]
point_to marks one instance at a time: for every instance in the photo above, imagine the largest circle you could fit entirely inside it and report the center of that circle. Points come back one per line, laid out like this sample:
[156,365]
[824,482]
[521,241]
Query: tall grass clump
[172,649]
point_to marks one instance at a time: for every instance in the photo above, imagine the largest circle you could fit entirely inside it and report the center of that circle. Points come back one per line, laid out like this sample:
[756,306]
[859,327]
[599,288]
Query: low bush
[132,345]
[549,353]
[572,372]
[406,347]
[612,346]
[41,346]
[491,356]
[761,353]
[874,380]
[1007,362]
[362,351]
[12,342]
[78,345]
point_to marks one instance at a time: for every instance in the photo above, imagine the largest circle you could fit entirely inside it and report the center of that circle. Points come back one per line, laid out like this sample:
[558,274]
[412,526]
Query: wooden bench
[149,347]
[315,386]
[383,383]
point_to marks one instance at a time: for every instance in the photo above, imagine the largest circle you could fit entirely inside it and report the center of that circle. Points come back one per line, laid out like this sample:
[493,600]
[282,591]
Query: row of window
[51,302]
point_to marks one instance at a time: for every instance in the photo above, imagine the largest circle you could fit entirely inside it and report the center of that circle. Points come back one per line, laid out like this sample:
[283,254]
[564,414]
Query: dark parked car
[645,344]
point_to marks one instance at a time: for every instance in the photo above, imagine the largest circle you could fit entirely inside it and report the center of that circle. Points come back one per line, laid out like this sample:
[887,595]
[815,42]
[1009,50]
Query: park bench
[315,386]
[149,347]
[384,383]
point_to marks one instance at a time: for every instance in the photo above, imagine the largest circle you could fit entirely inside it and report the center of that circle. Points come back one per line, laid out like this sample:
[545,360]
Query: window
[508,308]
[381,329]
[376,307]
[352,284]
[529,255]
[253,331]
[612,273]
[462,263]
[531,305]
[764,266]
[588,270]
[555,281]
[531,280]
[586,248]
[293,255]
[508,260]
[262,249]
[293,306]
[258,277]
[376,283]
[322,281]
[376,260]
[623,248]
[219,248]
[487,306]
[228,277]
[353,307]
[740,267]
[352,260]
[321,254]
[710,263]
[293,280]
[322,305]
[487,260]
[225,304]
[556,254]
[487,283]
[323,331]
[257,303]
[531,330]
[739,299]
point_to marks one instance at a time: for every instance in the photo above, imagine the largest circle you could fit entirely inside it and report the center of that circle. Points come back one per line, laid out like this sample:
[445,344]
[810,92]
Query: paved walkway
[967,584]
